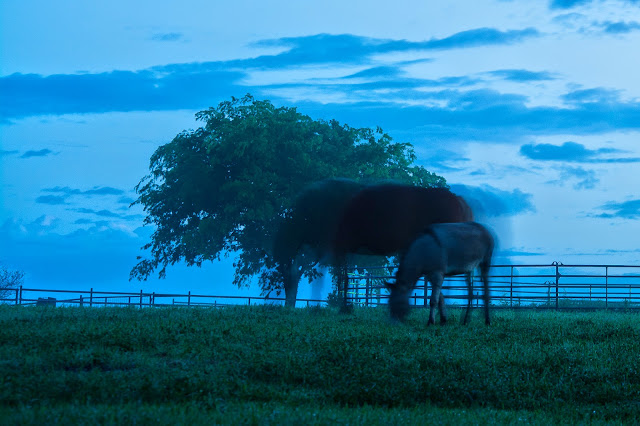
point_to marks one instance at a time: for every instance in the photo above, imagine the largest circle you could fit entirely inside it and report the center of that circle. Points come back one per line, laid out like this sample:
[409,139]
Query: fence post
[81,302]
[20,300]
[189,298]
[17,291]
[141,298]
[249,301]
[91,298]
[606,287]
[557,265]
[511,289]
[367,289]
[153,299]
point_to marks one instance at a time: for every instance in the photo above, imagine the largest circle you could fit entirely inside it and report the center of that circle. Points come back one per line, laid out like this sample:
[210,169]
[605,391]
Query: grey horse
[445,249]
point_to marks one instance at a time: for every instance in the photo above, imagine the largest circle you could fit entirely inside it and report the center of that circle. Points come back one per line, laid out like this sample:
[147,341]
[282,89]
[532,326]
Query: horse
[385,219]
[445,249]
[310,225]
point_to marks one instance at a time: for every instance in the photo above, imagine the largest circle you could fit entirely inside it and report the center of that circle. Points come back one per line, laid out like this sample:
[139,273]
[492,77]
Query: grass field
[266,365]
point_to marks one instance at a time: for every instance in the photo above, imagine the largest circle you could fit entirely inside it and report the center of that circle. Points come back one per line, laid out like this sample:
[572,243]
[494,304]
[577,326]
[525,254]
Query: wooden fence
[554,286]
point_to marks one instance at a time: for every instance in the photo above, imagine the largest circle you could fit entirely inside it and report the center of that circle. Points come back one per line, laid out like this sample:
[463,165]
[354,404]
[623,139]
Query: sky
[531,110]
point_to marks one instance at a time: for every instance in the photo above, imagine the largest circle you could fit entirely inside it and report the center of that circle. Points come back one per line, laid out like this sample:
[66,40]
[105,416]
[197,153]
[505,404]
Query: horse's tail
[467,213]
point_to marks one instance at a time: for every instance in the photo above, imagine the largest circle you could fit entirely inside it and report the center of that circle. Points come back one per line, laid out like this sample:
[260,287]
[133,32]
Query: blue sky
[531,109]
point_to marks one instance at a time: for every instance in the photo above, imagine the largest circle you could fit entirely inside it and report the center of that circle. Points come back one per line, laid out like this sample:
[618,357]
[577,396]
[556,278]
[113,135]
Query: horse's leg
[291,277]
[436,284]
[469,296]
[442,308]
[484,271]
[345,282]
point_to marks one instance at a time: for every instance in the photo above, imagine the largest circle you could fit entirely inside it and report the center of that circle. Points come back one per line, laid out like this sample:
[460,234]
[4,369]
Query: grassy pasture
[269,365]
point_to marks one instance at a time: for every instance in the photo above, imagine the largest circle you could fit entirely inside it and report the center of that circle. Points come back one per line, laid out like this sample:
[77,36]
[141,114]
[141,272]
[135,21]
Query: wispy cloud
[39,153]
[125,200]
[200,85]
[31,94]
[594,95]
[61,195]
[6,153]
[51,199]
[102,213]
[620,27]
[567,4]
[445,160]
[448,108]
[586,179]
[573,152]
[523,76]
[624,210]
[96,190]
[167,37]
[348,48]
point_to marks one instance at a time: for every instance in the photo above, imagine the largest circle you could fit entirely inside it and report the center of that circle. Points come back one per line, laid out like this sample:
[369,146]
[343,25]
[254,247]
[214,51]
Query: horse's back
[384,219]
[467,245]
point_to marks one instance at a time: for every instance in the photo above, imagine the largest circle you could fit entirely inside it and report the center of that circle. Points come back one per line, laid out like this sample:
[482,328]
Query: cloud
[200,85]
[567,4]
[61,195]
[348,48]
[24,95]
[443,159]
[620,27]
[479,115]
[167,37]
[126,200]
[51,200]
[5,153]
[96,190]
[447,109]
[508,253]
[39,153]
[83,221]
[70,259]
[101,213]
[624,210]
[104,213]
[522,76]
[481,37]
[594,95]
[586,178]
[572,152]
[489,201]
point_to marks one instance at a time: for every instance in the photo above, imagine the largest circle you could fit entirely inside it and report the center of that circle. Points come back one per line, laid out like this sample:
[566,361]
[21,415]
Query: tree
[9,281]
[225,187]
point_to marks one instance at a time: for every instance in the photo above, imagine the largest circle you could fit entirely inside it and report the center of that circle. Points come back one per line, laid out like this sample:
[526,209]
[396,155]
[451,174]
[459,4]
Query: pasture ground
[270,365]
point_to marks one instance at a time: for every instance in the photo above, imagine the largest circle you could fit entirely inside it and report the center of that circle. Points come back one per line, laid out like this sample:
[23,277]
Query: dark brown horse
[385,219]
[308,229]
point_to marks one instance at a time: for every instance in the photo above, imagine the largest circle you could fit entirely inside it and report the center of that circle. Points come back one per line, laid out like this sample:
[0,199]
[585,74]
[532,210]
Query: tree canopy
[224,187]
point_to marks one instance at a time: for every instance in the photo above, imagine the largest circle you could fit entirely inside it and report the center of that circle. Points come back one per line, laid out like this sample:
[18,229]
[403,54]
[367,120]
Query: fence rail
[554,286]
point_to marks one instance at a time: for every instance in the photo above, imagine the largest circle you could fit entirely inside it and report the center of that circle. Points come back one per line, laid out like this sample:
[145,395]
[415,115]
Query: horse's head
[398,300]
